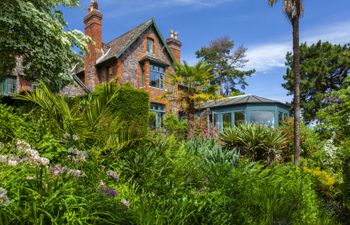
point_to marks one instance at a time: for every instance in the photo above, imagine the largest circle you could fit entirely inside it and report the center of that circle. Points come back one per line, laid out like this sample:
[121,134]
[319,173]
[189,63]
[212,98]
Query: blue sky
[263,30]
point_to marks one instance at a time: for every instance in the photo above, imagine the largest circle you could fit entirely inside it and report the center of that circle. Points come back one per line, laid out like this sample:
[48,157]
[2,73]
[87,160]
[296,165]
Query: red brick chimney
[175,45]
[93,28]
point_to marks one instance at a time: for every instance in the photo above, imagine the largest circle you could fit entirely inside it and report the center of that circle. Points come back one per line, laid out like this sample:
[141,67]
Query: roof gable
[117,47]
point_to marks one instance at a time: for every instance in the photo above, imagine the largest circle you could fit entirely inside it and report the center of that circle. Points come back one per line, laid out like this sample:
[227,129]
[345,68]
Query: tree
[33,32]
[336,115]
[194,87]
[324,67]
[294,9]
[227,65]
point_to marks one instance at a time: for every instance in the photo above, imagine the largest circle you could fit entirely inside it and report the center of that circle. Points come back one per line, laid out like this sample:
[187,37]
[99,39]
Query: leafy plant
[258,142]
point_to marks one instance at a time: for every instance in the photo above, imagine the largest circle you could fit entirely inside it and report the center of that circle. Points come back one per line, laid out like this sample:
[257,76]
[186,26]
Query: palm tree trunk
[296,71]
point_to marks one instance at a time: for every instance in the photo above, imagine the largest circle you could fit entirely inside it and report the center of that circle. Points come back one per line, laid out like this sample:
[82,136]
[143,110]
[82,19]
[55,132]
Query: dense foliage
[68,161]
[324,66]
[33,35]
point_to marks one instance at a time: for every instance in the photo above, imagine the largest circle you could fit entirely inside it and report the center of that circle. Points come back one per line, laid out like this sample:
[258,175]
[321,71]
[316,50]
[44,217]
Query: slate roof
[238,100]
[119,45]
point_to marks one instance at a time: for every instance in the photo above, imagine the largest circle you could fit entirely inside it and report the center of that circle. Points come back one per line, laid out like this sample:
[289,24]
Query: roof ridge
[131,30]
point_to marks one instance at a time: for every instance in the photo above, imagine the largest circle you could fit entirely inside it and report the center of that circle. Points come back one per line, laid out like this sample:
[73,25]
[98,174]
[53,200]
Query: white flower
[12,162]
[125,203]
[75,173]
[112,175]
[3,197]
[32,153]
[66,135]
[44,161]
[22,146]
[3,159]
[75,137]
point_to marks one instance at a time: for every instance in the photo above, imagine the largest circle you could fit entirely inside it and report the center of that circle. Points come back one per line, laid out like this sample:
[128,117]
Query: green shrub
[310,141]
[258,142]
[10,123]
[132,107]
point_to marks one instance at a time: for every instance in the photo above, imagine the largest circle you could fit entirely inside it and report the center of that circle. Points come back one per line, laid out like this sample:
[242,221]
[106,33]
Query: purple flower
[56,170]
[107,190]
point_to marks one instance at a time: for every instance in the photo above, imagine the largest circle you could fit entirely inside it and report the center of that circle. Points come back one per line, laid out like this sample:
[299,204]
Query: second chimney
[175,45]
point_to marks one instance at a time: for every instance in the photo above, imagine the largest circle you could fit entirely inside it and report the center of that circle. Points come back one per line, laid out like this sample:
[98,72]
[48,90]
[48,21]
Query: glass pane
[227,120]
[263,117]
[280,118]
[239,118]
[152,121]
[156,77]
[215,120]
[150,45]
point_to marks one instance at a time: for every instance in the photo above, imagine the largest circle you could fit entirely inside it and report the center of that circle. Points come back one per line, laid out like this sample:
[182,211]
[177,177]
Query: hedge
[132,107]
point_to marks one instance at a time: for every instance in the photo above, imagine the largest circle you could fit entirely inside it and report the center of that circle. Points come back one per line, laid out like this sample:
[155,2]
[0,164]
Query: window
[213,118]
[263,117]
[157,116]
[280,118]
[100,75]
[157,76]
[227,120]
[142,75]
[150,44]
[239,118]
[8,86]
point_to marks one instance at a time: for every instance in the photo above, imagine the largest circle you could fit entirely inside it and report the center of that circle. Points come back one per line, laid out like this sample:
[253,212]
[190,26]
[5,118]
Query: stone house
[140,57]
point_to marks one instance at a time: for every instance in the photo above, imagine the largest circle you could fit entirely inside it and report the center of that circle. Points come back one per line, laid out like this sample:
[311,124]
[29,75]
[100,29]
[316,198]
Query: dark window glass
[100,75]
[263,117]
[157,76]
[239,118]
[227,120]
[142,75]
[215,119]
[150,44]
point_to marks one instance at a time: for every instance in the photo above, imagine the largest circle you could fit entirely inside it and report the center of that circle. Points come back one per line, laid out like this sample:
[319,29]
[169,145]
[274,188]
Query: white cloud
[268,56]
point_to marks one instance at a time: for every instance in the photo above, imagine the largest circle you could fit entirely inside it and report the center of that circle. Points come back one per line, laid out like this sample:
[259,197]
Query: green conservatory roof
[239,100]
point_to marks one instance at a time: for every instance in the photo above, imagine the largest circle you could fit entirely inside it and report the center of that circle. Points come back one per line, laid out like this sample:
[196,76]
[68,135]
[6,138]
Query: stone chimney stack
[93,29]
[175,45]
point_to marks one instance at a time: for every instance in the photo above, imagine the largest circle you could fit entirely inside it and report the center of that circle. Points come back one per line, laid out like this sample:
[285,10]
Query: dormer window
[150,46]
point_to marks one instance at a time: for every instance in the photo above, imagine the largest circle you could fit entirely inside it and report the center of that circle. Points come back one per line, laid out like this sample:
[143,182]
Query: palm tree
[194,87]
[294,9]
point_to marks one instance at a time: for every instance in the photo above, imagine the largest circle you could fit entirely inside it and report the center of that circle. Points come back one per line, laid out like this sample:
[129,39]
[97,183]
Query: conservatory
[232,111]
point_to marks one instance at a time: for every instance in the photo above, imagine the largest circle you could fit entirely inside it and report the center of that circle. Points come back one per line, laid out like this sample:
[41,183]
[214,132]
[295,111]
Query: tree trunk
[296,71]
